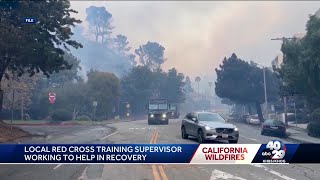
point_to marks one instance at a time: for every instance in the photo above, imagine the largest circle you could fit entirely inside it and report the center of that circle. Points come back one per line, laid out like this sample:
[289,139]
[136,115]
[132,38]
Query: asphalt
[140,132]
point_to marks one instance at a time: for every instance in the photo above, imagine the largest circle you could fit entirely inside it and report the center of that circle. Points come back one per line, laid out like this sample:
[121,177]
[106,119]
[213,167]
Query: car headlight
[207,128]
[236,129]
[151,115]
[164,115]
[172,113]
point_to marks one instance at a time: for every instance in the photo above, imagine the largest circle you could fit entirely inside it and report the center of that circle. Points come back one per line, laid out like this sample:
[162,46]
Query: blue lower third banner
[273,152]
[96,153]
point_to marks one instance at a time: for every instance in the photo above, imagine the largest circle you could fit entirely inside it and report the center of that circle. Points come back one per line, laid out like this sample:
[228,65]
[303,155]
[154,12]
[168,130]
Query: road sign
[95,103]
[52,98]
[128,106]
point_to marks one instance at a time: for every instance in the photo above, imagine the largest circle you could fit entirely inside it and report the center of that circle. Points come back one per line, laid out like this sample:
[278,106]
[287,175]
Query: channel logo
[274,152]
[29,20]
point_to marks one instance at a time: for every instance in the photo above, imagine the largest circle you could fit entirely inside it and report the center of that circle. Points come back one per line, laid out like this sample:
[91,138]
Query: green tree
[103,87]
[100,22]
[38,47]
[242,83]
[300,70]
[151,55]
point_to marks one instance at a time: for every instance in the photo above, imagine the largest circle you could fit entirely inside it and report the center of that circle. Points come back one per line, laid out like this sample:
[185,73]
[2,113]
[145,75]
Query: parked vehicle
[253,119]
[273,127]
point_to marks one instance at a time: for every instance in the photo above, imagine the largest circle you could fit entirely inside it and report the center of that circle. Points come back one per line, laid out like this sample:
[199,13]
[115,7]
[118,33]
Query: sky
[198,35]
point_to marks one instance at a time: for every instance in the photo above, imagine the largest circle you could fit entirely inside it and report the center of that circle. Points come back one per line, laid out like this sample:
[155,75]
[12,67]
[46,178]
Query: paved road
[140,132]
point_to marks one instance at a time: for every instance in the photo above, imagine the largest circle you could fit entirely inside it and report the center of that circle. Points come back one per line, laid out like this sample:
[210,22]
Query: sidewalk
[300,133]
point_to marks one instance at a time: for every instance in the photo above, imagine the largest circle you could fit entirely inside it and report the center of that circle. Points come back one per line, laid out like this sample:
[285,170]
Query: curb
[299,141]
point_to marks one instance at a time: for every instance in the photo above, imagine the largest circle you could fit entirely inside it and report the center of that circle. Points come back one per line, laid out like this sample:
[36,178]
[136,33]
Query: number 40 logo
[278,149]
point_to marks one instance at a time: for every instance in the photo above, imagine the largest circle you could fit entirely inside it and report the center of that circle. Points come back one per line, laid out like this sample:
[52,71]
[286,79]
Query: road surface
[140,132]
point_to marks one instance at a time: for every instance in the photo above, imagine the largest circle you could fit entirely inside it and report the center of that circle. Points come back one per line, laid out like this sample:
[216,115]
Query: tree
[151,55]
[121,47]
[121,44]
[73,98]
[242,83]
[172,89]
[300,68]
[198,79]
[137,88]
[99,20]
[187,87]
[38,47]
[65,76]
[103,87]
[22,87]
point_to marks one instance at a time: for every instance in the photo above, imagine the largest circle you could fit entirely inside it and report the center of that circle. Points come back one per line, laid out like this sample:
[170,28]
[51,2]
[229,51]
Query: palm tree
[198,79]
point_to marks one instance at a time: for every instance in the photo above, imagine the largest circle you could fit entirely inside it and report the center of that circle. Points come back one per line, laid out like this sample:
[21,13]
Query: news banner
[273,152]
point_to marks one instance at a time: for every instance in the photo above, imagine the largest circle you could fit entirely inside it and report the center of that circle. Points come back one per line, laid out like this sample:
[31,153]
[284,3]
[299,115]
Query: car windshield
[153,106]
[210,117]
[163,106]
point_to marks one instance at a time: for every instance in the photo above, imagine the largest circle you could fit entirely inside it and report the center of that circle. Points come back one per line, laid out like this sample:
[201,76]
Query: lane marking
[155,137]
[162,173]
[250,138]
[155,172]
[152,137]
[57,166]
[216,174]
[272,172]
[154,167]
[108,135]
[83,175]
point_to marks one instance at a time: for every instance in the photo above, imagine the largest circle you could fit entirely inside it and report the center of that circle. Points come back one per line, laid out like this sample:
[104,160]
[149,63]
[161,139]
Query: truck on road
[173,111]
[157,111]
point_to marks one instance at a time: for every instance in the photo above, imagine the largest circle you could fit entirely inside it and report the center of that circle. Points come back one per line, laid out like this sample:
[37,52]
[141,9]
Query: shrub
[61,115]
[314,129]
[83,118]
[316,115]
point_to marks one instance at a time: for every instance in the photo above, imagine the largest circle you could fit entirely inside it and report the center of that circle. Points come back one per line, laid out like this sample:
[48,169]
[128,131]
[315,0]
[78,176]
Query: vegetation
[242,83]
[41,46]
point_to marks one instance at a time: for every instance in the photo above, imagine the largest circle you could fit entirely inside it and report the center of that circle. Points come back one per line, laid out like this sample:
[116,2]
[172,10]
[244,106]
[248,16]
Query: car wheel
[183,133]
[262,133]
[233,141]
[200,136]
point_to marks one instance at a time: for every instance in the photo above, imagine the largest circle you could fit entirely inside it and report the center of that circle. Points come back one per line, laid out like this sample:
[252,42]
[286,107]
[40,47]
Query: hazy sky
[198,35]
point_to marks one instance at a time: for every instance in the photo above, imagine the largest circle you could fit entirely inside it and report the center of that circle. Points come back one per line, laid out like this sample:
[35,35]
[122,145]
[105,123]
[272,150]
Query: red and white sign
[225,153]
[52,98]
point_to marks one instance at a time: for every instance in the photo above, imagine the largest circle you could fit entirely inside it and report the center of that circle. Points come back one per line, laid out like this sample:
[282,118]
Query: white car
[253,119]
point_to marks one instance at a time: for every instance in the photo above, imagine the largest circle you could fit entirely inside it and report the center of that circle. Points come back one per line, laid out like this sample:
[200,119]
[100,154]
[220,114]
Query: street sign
[128,106]
[95,103]
[52,98]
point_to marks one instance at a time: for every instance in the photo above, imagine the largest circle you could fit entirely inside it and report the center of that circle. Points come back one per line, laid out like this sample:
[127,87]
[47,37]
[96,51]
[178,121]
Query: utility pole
[284,97]
[265,90]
